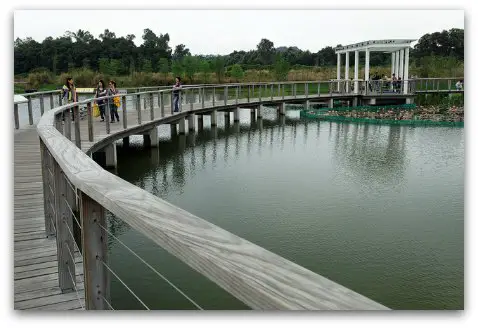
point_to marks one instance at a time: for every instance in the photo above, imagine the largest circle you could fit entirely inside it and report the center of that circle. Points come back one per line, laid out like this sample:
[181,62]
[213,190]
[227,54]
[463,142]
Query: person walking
[113,109]
[101,92]
[69,93]
[176,94]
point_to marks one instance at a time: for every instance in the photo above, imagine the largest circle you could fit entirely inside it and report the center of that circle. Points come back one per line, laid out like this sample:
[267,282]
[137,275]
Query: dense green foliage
[119,55]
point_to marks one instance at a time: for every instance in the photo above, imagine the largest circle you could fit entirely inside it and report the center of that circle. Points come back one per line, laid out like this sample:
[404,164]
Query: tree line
[119,56]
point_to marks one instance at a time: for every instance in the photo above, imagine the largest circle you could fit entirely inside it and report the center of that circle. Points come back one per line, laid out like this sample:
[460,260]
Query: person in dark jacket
[101,92]
[176,94]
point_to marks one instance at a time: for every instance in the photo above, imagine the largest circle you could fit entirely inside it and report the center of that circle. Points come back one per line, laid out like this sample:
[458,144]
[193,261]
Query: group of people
[70,96]
[102,91]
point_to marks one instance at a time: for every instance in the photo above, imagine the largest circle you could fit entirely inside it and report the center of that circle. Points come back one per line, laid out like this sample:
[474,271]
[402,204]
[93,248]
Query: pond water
[378,209]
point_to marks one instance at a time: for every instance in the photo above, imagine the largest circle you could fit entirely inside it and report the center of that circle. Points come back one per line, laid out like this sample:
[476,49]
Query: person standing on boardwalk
[101,92]
[176,94]
[113,109]
[69,93]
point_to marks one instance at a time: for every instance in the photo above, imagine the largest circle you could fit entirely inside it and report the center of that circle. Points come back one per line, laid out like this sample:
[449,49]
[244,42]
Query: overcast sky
[223,31]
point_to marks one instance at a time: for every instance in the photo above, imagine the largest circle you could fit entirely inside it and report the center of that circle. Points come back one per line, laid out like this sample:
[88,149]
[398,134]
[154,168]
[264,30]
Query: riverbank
[398,115]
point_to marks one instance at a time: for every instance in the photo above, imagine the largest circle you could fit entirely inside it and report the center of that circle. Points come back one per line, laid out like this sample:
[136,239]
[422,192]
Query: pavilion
[399,48]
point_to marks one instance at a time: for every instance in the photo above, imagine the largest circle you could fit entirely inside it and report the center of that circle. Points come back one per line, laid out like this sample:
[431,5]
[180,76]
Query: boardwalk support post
[95,250]
[110,154]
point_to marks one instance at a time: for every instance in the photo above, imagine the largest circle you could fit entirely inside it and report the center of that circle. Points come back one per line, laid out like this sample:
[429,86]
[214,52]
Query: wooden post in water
[95,251]
[213,118]
[191,122]
[64,230]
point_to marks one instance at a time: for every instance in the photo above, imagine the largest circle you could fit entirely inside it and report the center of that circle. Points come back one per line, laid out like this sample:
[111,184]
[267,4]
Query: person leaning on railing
[176,94]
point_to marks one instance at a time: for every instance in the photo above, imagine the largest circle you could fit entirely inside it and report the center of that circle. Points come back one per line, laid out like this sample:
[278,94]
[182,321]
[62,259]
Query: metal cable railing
[124,284]
[152,268]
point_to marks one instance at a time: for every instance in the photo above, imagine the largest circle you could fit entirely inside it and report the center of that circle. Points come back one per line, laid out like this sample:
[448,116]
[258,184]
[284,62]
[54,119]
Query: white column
[400,72]
[338,72]
[338,66]
[367,64]
[405,71]
[347,72]
[356,70]
[397,57]
[393,64]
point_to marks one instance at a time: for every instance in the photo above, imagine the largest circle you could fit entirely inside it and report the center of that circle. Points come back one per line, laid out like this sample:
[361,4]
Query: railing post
[248,93]
[181,100]
[237,94]
[272,91]
[192,99]
[260,92]
[48,197]
[449,85]
[64,225]
[60,100]
[30,113]
[225,95]
[58,125]
[138,107]
[125,116]
[306,87]
[67,116]
[42,104]
[295,90]
[108,115]
[172,102]
[144,102]
[318,89]
[52,105]
[76,117]
[253,92]
[151,105]
[90,121]
[161,103]
[213,96]
[202,97]
[15,116]
[95,251]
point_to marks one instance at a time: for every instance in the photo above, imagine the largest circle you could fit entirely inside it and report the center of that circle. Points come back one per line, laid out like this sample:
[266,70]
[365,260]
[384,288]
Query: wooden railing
[78,191]
[262,90]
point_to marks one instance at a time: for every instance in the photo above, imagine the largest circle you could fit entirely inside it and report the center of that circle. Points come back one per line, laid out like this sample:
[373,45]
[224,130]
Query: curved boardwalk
[36,277]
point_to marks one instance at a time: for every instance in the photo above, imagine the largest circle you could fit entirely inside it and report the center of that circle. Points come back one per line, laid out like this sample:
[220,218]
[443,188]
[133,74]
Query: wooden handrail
[256,276]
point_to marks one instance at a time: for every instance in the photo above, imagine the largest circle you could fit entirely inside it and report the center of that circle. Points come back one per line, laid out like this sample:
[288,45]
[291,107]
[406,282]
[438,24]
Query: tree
[163,67]
[236,72]
[265,50]
[180,52]
[281,68]
[190,66]
[81,36]
[219,68]
[177,68]
[146,66]
[205,69]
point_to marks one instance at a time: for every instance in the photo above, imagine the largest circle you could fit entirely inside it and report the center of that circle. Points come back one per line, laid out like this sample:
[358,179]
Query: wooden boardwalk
[35,256]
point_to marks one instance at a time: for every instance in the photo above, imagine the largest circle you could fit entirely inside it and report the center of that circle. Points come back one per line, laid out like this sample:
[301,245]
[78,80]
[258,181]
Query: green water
[378,209]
